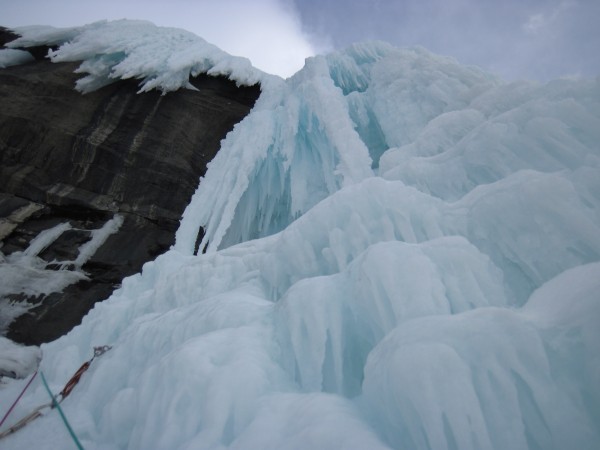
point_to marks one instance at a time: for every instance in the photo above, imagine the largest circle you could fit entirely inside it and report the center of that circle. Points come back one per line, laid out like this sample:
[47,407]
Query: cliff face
[82,160]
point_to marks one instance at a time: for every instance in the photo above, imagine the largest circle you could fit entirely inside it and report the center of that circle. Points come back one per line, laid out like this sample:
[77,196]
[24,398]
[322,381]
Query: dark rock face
[81,159]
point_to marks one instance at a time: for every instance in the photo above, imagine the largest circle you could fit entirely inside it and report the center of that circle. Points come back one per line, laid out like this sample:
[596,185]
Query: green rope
[57,406]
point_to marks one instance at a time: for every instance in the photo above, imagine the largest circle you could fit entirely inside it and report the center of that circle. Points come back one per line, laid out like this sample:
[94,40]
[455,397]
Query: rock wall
[85,159]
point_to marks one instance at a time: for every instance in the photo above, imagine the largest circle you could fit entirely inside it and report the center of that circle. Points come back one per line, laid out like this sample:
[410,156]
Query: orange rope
[74,379]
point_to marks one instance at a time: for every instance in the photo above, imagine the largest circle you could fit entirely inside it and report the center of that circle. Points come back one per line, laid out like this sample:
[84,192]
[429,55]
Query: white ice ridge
[162,58]
[98,237]
[403,253]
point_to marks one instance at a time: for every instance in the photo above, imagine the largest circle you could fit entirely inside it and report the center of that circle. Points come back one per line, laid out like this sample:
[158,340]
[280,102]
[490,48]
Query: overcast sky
[534,39]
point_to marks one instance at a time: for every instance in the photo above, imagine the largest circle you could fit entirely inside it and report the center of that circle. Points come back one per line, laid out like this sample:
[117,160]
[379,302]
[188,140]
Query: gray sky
[539,39]
[534,39]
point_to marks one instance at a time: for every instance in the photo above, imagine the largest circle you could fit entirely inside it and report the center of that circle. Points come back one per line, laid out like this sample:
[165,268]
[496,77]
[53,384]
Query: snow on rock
[24,272]
[356,292]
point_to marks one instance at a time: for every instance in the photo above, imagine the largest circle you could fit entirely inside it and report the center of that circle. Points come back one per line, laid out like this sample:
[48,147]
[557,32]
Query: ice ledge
[161,58]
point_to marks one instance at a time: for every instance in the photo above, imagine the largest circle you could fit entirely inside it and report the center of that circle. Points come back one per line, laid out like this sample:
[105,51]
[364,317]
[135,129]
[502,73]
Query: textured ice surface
[402,252]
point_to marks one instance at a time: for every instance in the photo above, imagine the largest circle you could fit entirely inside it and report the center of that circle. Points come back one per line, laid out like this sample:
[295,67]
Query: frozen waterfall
[402,252]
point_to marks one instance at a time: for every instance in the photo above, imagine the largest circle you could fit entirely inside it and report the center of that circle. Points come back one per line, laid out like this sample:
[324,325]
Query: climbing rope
[56,405]
[37,412]
[18,398]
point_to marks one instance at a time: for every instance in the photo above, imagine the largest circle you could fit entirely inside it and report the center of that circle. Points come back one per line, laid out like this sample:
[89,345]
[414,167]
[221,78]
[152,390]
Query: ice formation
[17,361]
[162,58]
[11,57]
[20,268]
[26,273]
[401,252]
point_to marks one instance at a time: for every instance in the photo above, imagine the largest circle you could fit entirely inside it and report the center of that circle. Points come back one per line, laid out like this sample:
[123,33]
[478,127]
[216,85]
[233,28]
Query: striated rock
[82,159]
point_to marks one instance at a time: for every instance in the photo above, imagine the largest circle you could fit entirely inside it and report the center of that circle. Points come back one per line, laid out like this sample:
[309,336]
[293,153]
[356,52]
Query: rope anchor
[37,412]
[99,351]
